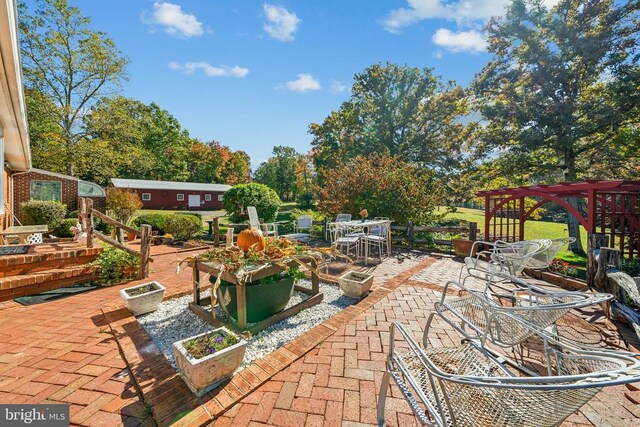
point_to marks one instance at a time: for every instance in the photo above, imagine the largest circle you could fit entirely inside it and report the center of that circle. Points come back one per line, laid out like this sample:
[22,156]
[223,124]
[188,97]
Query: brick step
[28,284]
[16,265]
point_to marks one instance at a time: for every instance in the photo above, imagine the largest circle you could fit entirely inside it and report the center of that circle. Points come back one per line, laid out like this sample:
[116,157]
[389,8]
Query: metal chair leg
[382,398]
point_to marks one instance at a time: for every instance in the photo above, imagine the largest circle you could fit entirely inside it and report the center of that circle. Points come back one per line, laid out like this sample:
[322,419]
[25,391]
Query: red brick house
[39,184]
[193,196]
[15,154]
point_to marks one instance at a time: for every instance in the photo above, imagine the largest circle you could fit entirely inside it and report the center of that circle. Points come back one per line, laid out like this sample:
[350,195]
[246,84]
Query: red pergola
[613,208]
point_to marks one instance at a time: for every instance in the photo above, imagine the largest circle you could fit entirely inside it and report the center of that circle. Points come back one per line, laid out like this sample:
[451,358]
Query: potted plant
[355,285]
[363,215]
[167,239]
[207,359]
[131,236]
[265,297]
[144,298]
[462,247]
[266,268]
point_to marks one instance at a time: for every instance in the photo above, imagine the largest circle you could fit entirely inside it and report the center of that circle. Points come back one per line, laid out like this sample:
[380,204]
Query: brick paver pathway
[338,381]
[62,351]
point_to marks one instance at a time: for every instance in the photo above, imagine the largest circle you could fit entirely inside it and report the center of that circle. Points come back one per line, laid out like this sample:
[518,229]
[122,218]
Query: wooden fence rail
[85,217]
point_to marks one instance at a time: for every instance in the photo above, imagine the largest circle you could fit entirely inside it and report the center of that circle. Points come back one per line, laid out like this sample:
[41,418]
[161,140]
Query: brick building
[15,154]
[194,196]
[39,184]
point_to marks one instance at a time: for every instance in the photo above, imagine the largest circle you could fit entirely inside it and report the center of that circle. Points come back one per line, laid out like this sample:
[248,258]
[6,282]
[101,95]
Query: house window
[207,197]
[220,197]
[49,191]
[180,197]
[146,197]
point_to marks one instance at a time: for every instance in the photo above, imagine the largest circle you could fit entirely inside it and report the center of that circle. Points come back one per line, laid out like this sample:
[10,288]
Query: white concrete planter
[143,303]
[202,375]
[355,285]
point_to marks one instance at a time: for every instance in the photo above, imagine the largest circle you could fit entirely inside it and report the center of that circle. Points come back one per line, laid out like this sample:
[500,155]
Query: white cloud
[460,41]
[210,70]
[338,87]
[175,21]
[281,24]
[461,11]
[304,83]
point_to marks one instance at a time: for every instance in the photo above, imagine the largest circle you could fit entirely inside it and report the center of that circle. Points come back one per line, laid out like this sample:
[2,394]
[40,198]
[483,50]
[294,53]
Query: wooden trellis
[612,208]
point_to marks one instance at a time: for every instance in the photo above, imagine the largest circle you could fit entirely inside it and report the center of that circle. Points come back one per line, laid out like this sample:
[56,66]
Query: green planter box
[263,300]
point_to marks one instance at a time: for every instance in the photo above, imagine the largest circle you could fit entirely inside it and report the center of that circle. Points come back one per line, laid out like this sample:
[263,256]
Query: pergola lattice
[613,208]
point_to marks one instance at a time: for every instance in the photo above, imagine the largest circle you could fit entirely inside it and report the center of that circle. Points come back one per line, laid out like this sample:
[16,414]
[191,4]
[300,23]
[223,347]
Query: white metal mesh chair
[343,241]
[467,386]
[330,230]
[544,258]
[377,238]
[269,228]
[478,316]
[502,260]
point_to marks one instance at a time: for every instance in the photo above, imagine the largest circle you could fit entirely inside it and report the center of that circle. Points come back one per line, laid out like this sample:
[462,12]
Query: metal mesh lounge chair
[503,260]
[543,259]
[530,309]
[468,386]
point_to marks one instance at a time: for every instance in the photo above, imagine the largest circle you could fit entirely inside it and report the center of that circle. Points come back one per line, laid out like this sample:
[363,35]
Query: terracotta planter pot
[131,236]
[143,303]
[201,375]
[462,247]
[263,300]
[355,285]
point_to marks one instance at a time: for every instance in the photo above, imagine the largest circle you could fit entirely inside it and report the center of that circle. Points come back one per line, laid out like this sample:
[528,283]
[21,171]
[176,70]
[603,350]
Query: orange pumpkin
[250,237]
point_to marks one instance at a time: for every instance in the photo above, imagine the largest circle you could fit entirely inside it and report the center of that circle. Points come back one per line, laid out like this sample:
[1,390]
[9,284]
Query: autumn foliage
[384,185]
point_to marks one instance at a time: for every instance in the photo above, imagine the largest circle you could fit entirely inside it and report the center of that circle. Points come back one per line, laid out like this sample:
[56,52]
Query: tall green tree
[64,58]
[47,143]
[280,172]
[551,93]
[397,110]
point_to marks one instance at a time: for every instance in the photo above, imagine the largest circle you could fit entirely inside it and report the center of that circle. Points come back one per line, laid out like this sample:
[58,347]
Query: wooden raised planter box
[213,269]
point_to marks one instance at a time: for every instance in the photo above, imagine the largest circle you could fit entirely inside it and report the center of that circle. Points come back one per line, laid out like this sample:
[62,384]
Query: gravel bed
[174,321]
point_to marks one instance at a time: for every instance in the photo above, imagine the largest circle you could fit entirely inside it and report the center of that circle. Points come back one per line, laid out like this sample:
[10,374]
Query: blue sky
[255,74]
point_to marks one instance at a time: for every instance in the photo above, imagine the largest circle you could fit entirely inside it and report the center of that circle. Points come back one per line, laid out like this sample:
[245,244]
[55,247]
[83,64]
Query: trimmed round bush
[38,212]
[156,221]
[183,227]
[265,200]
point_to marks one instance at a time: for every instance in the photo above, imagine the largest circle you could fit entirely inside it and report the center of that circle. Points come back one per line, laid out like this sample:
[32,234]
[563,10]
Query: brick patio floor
[62,351]
[337,382]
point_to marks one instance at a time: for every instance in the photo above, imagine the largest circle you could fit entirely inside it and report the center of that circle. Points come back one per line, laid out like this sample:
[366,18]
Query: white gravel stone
[174,321]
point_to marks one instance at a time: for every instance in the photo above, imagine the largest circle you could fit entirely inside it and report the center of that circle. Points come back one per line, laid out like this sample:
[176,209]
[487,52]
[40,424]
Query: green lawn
[532,230]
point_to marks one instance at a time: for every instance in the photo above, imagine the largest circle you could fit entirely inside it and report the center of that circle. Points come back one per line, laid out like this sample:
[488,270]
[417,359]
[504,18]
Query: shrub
[122,204]
[631,267]
[385,186]
[183,227]
[196,214]
[116,266]
[156,221]
[265,200]
[63,229]
[38,212]
[72,214]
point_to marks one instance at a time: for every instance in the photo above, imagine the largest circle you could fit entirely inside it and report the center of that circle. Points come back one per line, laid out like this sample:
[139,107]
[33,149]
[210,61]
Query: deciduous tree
[550,94]
[64,58]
